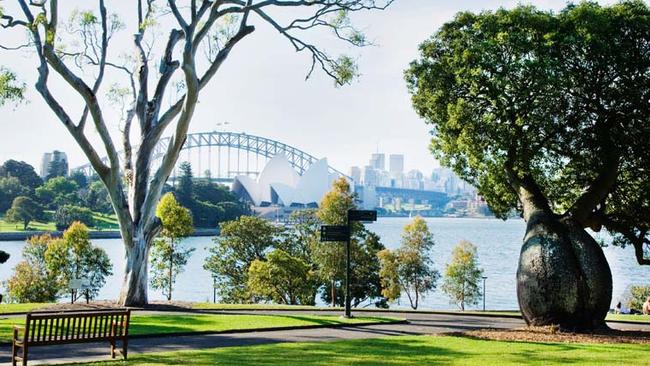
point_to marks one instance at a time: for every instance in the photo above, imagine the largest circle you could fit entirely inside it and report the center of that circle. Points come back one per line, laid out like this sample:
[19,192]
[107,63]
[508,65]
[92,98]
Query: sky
[261,90]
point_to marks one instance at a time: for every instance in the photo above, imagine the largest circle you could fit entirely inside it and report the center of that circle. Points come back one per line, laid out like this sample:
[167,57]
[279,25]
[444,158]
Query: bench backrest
[70,327]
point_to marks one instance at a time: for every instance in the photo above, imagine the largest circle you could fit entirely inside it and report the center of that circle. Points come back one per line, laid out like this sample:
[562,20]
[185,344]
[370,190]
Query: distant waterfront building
[396,165]
[280,185]
[56,159]
[355,174]
[378,161]
[371,176]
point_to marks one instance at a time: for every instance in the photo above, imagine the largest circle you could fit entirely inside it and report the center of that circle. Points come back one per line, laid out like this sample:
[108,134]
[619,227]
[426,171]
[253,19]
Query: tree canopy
[546,111]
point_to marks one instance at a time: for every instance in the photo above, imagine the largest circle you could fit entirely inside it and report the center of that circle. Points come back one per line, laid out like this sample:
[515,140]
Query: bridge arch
[261,146]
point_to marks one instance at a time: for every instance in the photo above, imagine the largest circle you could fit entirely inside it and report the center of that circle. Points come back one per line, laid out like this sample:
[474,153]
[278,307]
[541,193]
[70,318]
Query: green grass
[629,318]
[102,222]
[175,323]
[405,350]
[20,308]
[33,226]
[213,306]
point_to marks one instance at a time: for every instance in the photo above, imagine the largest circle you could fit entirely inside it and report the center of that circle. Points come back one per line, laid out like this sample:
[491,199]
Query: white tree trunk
[135,284]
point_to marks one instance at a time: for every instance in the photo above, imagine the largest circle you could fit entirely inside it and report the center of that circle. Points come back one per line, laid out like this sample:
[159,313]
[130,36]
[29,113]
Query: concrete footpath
[418,324]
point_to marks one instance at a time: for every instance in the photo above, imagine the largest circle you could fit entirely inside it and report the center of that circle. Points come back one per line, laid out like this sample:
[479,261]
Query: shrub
[66,215]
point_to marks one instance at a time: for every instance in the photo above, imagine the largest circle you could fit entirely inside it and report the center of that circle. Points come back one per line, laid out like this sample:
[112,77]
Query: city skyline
[373,113]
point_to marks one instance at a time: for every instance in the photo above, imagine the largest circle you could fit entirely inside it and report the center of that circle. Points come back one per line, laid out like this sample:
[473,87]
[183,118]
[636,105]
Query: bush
[66,215]
[29,283]
[636,295]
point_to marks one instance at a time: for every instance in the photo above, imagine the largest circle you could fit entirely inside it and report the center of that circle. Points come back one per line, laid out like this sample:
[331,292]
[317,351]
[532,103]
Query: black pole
[484,278]
[348,311]
[214,290]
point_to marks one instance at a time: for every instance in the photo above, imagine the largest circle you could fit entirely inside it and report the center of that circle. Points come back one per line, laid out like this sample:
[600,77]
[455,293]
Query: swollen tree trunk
[563,277]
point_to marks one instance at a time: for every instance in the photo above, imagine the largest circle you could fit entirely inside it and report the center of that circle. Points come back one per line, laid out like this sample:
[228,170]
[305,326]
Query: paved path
[418,324]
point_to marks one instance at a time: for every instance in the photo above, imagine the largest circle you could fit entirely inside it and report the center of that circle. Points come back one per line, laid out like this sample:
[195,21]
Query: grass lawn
[406,350]
[629,318]
[171,323]
[20,308]
[33,226]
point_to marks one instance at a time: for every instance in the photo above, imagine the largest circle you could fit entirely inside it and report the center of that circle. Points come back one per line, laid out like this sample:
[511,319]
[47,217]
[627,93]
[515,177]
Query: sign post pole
[348,243]
[341,233]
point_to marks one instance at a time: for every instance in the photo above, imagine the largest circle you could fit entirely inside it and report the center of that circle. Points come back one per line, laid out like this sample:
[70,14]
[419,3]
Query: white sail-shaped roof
[279,183]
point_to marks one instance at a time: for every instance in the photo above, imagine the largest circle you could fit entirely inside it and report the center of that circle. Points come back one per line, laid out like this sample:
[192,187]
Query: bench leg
[125,347]
[112,348]
[14,353]
[25,354]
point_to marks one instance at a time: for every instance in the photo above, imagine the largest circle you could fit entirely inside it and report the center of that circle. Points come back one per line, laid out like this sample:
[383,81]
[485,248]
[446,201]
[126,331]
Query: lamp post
[484,278]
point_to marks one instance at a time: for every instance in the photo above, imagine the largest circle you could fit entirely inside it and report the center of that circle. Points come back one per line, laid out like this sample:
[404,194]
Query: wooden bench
[56,328]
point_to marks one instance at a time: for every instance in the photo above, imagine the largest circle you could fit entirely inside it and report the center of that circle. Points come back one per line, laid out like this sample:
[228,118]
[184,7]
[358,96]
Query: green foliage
[58,191]
[209,203]
[462,276]
[282,279]
[167,256]
[96,198]
[31,280]
[185,188]
[74,257]
[68,214]
[548,99]
[635,296]
[24,210]
[10,188]
[329,257]
[239,244]
[409,269]
[23,171]
[10,89]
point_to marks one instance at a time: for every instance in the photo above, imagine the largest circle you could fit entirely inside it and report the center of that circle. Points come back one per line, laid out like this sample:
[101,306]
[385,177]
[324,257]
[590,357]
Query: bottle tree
[547,115]
[178,47]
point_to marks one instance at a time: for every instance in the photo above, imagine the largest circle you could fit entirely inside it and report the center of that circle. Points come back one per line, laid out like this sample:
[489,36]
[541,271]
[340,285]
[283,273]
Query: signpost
[342,233]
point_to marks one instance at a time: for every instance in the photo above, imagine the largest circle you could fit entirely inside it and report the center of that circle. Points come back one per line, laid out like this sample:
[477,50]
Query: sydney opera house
[279,184]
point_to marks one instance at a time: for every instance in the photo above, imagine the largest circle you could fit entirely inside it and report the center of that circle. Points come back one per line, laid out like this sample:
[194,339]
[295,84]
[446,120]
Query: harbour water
[498,244]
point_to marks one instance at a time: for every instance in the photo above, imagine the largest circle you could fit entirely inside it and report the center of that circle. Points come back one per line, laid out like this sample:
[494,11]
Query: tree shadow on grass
[380,351]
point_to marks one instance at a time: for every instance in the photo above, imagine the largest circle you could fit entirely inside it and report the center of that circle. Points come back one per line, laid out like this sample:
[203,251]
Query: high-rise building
[371,176]
[57,160]
[355,174]
[396,165]
[378,161]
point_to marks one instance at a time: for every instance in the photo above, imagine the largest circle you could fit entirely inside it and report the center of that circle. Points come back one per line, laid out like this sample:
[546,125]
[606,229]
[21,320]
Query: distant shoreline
[107,234]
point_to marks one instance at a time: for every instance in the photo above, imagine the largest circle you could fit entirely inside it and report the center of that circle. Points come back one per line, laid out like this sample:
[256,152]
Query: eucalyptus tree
[547,114]
[160,96]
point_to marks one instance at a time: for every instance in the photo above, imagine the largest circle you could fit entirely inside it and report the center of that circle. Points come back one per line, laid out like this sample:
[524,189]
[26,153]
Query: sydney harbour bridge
[221,156]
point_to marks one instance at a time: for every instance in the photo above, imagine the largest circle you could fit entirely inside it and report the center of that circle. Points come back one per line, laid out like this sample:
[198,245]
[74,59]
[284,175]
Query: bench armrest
[18,329]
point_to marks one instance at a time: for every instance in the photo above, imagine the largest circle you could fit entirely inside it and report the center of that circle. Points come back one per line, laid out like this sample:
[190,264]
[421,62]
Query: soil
[552,334]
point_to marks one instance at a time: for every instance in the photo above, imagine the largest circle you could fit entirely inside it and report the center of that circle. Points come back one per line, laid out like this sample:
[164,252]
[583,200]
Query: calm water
[498,245]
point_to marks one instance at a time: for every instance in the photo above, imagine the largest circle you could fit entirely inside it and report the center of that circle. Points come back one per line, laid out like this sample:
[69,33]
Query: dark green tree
[283,279]
[24,210]
[239,244]
[185,185]
[23,171]
[546,114]
[66,215]
[58,191]
[10,188]
[80,178]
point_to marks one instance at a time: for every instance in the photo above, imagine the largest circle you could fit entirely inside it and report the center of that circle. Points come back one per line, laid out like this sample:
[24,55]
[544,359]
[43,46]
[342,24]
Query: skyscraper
[378,161]
[355,174]
[396,165]
[57,160]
